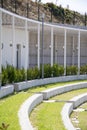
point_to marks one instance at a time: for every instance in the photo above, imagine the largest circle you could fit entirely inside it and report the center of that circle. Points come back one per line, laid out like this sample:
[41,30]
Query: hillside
[53,13]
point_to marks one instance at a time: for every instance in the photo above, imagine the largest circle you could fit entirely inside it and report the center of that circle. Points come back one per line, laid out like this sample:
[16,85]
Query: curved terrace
[36,99]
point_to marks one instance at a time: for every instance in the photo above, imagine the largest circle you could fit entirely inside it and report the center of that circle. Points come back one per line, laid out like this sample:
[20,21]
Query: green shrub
[57,70]
[11,73]
[83,69]
[61,70]
[33,73]
[19,75]
[36,73]
[47,71]
[4,76]
[8,74]
[71,70]
[23,74]
[29,74]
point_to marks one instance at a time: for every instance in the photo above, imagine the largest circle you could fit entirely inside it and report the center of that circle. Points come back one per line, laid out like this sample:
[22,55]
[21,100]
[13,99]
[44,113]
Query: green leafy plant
[61,70]
[11,74]
[18,76]
[23,74]
[83,69]
[71,70]
[55,70]
[4,76]
[4,126]
[47,71]
[33,73]
[36,73]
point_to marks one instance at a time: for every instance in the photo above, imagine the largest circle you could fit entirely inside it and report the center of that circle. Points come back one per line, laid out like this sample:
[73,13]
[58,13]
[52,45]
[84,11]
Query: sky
[76,5]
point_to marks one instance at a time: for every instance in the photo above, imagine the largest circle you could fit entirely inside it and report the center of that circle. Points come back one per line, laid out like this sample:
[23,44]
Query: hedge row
[12,75]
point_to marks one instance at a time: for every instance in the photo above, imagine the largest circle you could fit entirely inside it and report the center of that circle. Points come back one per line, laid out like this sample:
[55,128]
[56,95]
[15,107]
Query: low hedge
[83,69]
[11,74]
[71,70]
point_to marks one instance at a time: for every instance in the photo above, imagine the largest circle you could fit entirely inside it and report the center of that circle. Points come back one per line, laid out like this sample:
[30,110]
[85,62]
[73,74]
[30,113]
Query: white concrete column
[73,51]
[13,43]
[26,45]
[78,52]
[38,47]
[0,46]
[28,48]
[51,46]
[65,40]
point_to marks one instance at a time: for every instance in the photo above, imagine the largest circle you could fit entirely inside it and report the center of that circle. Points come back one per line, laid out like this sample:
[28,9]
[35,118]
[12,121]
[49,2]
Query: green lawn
[10,105]
[47,116]
[81,117]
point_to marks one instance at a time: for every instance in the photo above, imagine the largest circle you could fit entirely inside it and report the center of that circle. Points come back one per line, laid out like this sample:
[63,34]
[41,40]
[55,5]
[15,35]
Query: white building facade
[21,43]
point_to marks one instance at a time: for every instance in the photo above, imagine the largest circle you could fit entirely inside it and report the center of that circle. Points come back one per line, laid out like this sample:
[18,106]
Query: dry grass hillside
[53,13]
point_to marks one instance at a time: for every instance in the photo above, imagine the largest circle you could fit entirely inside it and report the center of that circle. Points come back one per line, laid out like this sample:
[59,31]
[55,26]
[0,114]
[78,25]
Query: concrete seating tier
[68,108]
[38,82]
[62,89]
[25,110]
[5,91]
[27,107]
